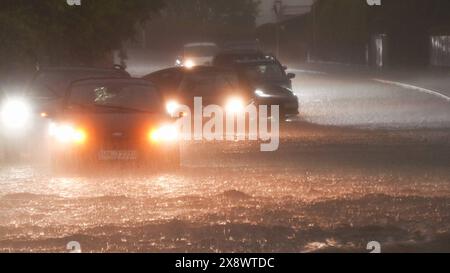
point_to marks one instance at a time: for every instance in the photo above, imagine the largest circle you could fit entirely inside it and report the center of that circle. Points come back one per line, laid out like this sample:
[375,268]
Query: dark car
[252,59]
[271,84]
[114,120]
[268,79]
[22,112]
[48,85]
[264,71]
[218,86]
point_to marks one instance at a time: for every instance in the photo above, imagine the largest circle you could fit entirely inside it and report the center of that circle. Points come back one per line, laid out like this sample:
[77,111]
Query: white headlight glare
[261,94]
[189,63]
[235,105]
[167,133]
[15,113]
[171,107]
[66,133]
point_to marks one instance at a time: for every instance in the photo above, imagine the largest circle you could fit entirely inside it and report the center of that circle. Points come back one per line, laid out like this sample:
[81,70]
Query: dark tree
[51,32]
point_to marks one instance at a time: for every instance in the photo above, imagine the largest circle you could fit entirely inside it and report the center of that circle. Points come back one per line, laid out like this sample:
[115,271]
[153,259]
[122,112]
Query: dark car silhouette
[218,86]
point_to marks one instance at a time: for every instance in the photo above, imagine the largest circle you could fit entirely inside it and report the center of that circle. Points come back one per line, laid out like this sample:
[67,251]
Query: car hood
[285,83]
[274,90]
[213,97]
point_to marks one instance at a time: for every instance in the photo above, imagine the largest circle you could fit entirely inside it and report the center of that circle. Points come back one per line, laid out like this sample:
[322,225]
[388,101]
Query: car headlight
[172,107]
[261,94]
[235,105]
[15,113]
[165,133]
[189,64]
[66,133]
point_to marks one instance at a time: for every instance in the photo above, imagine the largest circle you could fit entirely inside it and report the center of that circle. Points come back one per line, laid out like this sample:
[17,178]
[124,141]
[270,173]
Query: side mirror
[291,76]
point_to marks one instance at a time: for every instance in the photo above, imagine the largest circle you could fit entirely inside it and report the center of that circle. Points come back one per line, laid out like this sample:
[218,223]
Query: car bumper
[114,153]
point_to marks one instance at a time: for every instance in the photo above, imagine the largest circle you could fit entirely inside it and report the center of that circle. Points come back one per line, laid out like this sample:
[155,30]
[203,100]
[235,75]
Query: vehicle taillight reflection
[235,105]
[165,133]
[172,107]
[66,133]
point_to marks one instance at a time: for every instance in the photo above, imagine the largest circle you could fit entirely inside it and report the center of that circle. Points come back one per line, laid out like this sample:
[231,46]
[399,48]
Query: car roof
[204,68]
[88,70]
[82,69]
[73,73]
[238,52]
[256,61]
[234,57]
[111,80]
[200,44]
[79,68]
[195,69]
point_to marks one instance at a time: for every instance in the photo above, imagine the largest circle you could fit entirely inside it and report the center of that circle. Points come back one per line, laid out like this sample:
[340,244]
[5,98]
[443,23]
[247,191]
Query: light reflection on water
[309,196]
[43,206]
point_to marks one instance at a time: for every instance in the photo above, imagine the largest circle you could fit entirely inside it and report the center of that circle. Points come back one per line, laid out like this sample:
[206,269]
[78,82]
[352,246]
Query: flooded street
[326,189]
[353,168]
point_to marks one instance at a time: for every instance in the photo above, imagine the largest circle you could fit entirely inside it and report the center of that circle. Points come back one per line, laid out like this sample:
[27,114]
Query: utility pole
[277,8]
[144,37]
[314,19]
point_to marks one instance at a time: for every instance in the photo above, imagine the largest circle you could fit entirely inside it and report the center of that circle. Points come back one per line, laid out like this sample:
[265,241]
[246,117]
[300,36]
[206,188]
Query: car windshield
[200,51]
[205,83]
[55,83]
[264,71]
[115,97]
